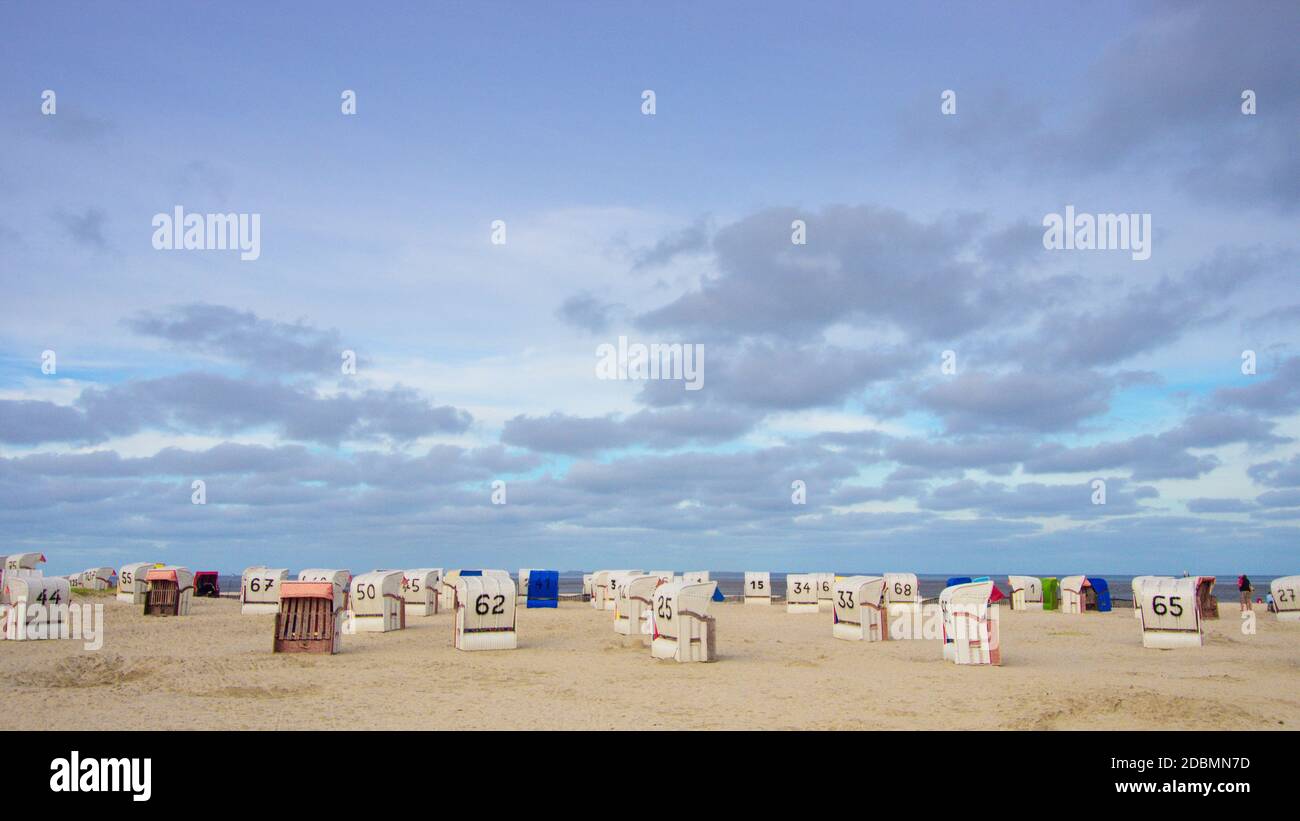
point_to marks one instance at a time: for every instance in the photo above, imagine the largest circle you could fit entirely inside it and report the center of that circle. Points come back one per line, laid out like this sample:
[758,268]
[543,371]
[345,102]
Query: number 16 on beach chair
[683,629]
[310,619]
[970,624]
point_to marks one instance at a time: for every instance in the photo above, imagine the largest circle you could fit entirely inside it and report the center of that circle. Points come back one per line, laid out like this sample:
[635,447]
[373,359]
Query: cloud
[692,239]
[86,227]
[210,403]
[861,265]
[587,312]
[1035,499]
[659,429]
[242,336]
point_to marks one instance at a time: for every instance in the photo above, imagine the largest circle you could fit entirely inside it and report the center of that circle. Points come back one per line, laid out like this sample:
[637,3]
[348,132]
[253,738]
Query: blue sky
[822,360]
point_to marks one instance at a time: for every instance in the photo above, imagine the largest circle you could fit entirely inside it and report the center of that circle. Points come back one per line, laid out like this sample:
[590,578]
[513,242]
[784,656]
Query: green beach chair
[1051,589]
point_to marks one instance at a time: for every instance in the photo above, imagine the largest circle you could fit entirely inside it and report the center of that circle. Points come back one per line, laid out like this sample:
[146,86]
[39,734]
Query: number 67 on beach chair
[683,629]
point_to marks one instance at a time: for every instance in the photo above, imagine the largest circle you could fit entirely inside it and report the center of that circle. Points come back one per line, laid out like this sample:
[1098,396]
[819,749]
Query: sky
[910,380]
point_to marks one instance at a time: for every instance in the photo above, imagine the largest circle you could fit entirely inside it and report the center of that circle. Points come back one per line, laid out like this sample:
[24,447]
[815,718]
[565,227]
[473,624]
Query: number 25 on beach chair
[310,619]
[683,629]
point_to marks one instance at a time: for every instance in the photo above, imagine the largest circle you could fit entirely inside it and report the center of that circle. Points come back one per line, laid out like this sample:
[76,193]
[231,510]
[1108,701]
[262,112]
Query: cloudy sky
[823,362]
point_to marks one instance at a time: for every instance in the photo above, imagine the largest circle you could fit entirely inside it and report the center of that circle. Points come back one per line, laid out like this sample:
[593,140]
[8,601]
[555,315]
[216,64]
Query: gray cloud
[244,337]
[85,227]
[211,403]
[587,312]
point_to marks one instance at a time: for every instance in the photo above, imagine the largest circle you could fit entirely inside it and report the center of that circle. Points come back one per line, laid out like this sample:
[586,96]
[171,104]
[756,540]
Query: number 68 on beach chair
[683,629]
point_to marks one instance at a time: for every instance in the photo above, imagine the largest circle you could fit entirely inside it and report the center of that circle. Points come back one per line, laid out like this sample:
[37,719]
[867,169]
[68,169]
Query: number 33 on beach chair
[858,612]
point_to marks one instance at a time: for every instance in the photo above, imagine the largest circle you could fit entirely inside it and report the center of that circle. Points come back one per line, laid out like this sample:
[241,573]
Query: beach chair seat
[169,591]
[310,618]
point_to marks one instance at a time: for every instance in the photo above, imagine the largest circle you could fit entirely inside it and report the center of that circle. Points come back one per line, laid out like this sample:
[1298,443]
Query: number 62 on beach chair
[485,613]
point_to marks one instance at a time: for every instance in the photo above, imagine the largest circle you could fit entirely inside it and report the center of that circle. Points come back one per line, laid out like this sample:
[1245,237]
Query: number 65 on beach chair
[1169,613]
[859,609]
[683,629]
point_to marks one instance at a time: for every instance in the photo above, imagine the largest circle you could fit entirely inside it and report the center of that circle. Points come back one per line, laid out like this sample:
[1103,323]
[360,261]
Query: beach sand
[214,670]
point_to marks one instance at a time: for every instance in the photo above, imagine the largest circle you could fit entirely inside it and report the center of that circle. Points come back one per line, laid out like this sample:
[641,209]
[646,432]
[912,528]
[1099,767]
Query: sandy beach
[214,670]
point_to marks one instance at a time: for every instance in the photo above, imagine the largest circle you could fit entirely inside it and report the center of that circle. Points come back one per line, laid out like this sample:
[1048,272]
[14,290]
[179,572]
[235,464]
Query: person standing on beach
[1243,586]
